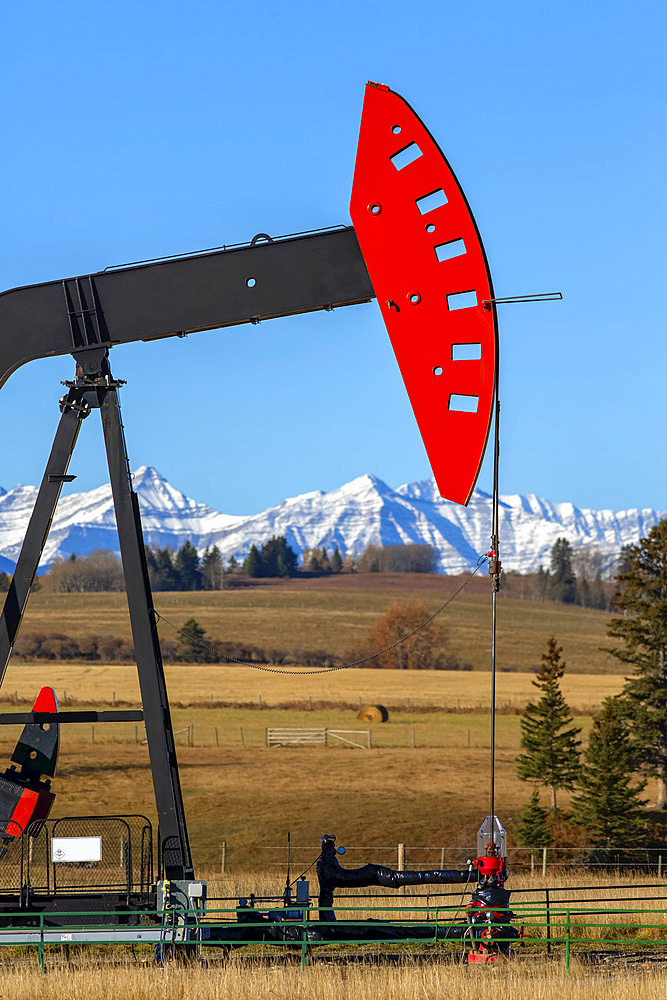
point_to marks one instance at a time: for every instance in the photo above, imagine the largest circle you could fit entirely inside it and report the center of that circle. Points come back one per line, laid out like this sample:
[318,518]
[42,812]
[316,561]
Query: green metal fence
[555,929]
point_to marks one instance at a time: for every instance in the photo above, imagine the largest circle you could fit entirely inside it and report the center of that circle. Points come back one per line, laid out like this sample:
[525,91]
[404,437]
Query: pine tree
[336,561]
[642,632]
[563,584]
[314,565]
[186,565]
[547,736]
[252,564]
[607,805]
[532,828]
[277,558]
[163,575]
[192,638]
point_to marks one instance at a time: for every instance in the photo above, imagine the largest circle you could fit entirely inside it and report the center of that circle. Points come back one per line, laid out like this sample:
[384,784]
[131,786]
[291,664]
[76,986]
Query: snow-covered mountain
[360,512]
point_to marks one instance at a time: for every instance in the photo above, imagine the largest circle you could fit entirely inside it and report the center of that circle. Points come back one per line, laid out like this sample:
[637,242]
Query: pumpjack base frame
[95,388]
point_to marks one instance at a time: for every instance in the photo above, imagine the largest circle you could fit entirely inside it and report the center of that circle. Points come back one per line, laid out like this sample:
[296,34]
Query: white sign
[76,849]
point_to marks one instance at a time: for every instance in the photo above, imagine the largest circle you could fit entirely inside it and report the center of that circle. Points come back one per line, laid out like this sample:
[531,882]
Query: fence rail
[555,929]
[299,737]
[536,861]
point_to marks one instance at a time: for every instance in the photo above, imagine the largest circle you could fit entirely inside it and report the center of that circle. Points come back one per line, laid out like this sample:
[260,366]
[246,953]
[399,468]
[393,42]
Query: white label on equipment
[76,849]
[66,937]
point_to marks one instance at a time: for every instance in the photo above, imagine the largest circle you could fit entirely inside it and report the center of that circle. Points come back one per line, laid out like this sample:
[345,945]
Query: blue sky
[134,130]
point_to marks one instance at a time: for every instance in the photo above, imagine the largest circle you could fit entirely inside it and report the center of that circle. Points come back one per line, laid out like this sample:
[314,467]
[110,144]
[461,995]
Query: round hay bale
[373,713]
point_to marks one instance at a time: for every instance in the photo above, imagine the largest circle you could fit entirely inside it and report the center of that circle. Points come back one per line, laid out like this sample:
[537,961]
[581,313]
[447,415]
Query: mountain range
[363,511]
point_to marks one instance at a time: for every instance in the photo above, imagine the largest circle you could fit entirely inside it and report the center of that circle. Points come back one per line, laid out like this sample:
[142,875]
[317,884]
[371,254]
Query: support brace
[92,388]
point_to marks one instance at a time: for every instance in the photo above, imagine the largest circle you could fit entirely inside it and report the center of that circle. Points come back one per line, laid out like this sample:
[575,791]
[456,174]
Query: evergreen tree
[624,560]
[163,575]
[186,565]
[642,632]
[313,565]
[550,741]
[192,637]
[336,561]
[277,558]
[252,564]
[324,560]
[563,584]
[5,580]
[607,805]
[532,829]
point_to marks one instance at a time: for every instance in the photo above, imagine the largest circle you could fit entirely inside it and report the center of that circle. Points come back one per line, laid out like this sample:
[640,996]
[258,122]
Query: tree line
[628,740]
[573,577]
[185,569]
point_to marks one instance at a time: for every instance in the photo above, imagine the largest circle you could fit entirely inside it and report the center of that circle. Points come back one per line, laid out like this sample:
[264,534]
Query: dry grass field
[337,613]
[424,782]
[252,796]
[81,979]
[206,684]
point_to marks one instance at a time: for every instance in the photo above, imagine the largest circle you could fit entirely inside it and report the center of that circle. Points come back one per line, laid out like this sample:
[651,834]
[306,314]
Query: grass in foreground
[82,979]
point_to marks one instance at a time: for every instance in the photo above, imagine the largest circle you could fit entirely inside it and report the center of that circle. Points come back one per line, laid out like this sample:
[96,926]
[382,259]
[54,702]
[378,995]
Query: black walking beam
[246,284]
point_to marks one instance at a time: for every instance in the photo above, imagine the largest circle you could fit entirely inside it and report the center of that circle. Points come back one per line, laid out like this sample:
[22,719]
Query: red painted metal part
[33,803]
[23,812]
[46,701]
[420,258]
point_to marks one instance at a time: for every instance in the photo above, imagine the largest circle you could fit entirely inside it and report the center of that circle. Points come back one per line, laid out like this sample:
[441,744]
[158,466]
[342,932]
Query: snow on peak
[363,511]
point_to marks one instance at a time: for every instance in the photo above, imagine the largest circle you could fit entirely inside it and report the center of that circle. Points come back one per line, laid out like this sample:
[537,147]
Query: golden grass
[336,614]
[96,683]
[82,979]
[251,796]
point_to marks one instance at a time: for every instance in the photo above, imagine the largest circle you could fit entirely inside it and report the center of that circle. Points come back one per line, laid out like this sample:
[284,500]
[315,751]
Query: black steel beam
[172,297]
[29,718]
[74,409]
[172,828]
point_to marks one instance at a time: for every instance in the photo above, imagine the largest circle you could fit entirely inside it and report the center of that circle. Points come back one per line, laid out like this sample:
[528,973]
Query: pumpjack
[414,246]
